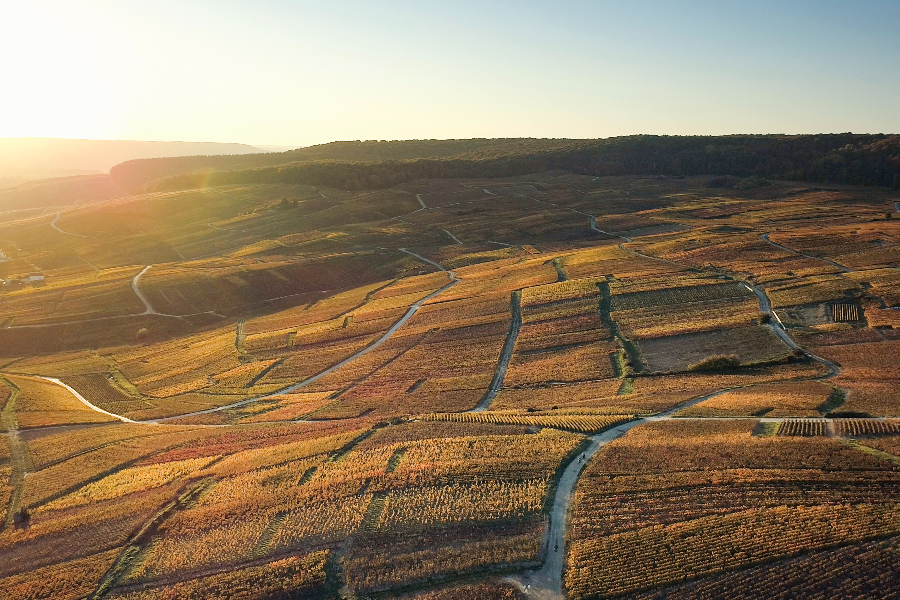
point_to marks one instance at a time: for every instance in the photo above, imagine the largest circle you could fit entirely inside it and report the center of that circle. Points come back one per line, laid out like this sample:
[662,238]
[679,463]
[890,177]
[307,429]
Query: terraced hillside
[544,386]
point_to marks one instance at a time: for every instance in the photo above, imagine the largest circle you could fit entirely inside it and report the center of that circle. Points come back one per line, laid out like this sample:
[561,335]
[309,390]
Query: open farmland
[452,388]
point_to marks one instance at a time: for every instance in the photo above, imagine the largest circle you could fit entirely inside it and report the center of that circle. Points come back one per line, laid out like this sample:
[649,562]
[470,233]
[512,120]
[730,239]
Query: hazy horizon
[301,73]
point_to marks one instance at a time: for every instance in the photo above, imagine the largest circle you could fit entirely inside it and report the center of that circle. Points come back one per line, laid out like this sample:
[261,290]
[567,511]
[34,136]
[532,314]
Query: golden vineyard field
[544,386]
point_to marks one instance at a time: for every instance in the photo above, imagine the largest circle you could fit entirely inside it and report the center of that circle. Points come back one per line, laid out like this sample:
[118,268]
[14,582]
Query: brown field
[752,345]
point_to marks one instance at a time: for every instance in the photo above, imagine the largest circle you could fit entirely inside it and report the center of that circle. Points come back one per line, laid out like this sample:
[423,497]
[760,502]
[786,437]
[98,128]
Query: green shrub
[717,362]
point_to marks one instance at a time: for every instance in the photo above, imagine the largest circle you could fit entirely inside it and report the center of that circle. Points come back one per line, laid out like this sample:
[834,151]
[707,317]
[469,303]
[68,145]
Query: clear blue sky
[302,72]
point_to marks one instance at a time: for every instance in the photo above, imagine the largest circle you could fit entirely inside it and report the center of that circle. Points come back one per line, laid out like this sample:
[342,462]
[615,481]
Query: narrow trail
[515,324]
[20,459]
[239,337]
[422,202]
[54,226]
[765,237]
[137,292]
[185,498]
[452,237]
[84,401]
[627,239]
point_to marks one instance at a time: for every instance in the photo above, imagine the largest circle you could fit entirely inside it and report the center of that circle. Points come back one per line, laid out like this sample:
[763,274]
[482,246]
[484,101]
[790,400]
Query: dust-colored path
[765,237]
[422,202]
[53,225]
[777,326]
[18,450]
[627,239]
[82,399]
[452,237]
[515,303]
[546,583]
[137,292]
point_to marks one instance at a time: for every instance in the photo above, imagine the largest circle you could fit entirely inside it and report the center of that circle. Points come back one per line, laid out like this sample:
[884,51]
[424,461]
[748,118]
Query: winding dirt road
[777,326]
[84,401]
[546,583]
[19,456]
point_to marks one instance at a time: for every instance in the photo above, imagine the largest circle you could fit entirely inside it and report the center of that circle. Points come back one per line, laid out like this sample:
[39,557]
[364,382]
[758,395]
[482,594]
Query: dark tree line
[872,160]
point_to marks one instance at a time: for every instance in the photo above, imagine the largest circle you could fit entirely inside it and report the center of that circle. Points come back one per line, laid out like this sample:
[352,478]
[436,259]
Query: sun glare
[54,85]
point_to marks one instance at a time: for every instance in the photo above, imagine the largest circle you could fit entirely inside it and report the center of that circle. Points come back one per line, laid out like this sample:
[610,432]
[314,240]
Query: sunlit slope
[453,387]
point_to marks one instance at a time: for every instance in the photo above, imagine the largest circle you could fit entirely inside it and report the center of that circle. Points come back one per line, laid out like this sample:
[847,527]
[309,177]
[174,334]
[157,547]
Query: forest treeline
[872,160]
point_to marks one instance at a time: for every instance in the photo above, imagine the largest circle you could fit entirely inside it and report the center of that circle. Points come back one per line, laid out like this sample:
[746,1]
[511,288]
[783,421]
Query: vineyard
[622,563]
[318,434]
[788,399]
[844,313]
[682,295]
[744,507]
[845,572]
[866,427]
[574,422]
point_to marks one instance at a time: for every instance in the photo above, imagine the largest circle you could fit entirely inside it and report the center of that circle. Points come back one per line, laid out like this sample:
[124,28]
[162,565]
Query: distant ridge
[845,158]
[22,159]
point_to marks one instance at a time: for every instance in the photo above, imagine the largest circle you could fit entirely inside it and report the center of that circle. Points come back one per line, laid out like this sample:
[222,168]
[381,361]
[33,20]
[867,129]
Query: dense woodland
[872,160]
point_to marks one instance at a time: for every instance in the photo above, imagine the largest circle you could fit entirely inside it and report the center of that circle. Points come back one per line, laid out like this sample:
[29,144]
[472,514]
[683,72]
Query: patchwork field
[543,386]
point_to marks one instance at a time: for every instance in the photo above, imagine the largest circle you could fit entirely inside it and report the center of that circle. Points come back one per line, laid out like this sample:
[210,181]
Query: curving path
[765,237]
[53,225]
[546,583]
[137,292]
[84,401]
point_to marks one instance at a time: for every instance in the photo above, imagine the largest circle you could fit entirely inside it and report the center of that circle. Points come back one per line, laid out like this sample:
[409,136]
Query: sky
[303,72]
